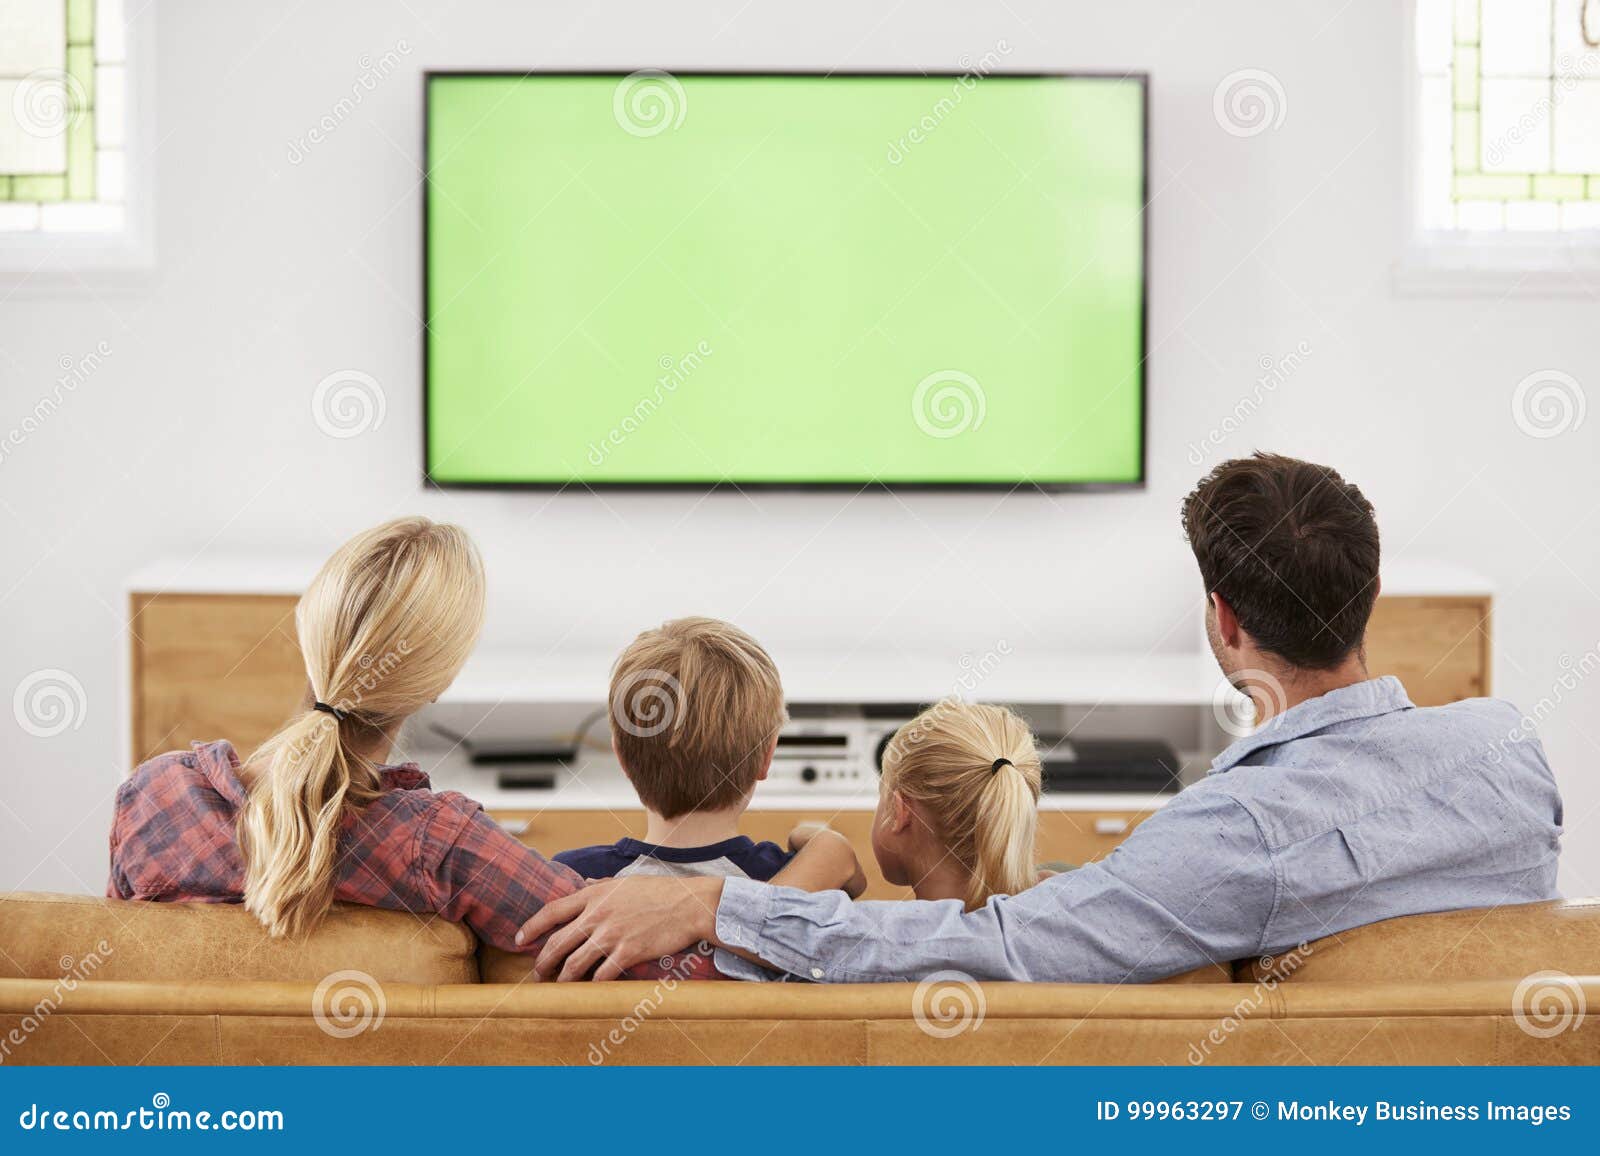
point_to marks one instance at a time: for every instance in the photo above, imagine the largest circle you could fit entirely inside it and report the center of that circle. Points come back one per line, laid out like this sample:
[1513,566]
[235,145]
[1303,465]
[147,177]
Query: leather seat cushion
[48,936]
[1475,943]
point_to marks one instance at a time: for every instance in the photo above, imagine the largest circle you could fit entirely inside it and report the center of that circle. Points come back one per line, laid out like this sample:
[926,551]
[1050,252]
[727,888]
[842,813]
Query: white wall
[197,433]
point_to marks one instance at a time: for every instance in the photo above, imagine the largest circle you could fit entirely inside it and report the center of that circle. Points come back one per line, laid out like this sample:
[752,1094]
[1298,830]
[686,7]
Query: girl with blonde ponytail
[317,815]
[958,804]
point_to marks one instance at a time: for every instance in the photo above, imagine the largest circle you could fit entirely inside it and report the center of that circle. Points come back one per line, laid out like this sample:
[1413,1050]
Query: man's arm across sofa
[1193,884]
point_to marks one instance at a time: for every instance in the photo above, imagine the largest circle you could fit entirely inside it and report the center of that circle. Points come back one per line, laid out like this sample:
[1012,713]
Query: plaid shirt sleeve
[477,874]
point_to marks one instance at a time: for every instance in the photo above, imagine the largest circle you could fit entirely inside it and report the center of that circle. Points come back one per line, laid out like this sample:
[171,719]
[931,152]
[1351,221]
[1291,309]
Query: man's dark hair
[1293,548]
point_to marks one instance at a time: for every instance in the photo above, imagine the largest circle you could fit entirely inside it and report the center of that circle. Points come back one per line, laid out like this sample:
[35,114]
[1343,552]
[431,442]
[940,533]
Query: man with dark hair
[1346,805]
[1288,553]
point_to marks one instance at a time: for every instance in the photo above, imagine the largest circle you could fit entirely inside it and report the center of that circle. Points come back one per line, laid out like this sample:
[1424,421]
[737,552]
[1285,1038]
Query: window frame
[1453,261]
[47,259]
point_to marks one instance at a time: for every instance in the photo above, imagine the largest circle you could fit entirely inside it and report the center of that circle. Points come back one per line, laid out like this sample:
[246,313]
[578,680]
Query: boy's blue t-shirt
[738,858]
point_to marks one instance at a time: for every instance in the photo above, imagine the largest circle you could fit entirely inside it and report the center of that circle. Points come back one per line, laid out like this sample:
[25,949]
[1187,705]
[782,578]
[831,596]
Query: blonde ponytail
[383,628]
[975,774]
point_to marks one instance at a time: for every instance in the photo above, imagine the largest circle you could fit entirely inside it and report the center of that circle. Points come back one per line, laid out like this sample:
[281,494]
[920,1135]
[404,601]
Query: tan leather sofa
[94,981]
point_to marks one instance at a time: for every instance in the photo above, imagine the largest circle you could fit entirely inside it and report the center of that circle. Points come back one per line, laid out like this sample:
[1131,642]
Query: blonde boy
[696,707]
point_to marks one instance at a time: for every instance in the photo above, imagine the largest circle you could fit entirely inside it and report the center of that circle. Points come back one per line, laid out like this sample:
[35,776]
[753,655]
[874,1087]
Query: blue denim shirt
[1346,809]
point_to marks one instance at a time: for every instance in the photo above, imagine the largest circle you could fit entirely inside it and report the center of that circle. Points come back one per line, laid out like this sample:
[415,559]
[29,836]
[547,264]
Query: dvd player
[1108,765]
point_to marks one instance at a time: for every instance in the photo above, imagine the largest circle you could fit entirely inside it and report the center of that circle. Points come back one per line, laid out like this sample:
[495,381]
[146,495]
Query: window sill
[45,263]
[1446,265]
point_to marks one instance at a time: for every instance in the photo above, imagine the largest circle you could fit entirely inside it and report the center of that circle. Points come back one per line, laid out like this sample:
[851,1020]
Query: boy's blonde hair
[384,628]
[948,760]
[695,705]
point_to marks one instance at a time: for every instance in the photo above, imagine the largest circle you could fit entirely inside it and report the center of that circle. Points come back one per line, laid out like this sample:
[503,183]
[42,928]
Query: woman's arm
[475,873]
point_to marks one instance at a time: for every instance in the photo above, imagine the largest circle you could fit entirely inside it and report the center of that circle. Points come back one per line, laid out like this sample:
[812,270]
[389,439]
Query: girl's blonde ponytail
[384,628]
[1004,829]
[975,774]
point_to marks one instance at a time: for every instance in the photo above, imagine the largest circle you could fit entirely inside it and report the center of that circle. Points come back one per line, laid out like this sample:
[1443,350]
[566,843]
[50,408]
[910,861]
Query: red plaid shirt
[174,840]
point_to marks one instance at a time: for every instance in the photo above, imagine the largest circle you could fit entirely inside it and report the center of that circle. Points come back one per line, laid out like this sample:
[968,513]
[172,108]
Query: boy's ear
[766,760]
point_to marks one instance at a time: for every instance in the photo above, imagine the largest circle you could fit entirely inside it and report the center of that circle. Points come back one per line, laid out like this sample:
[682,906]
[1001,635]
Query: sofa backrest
[1475,943]
[53,936]
[497,966]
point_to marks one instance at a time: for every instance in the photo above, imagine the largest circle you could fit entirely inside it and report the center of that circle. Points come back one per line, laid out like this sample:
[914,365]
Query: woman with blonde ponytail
[384,628]
[317,814]
[958,804]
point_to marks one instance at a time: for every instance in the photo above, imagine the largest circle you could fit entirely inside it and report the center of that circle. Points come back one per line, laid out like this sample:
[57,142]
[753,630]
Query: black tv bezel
[1140,77]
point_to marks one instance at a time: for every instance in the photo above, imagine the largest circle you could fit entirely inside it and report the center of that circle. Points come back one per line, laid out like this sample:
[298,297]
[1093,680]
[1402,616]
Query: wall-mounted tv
[780,280]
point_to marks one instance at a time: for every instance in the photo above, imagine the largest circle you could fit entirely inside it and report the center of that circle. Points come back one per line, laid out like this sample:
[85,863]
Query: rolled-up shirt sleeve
[1194,884]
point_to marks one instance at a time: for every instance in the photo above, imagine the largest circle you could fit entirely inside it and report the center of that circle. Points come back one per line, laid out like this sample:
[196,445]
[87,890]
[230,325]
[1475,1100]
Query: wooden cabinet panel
[1064,836]
[212,666]
[1079,837]
[1437,646]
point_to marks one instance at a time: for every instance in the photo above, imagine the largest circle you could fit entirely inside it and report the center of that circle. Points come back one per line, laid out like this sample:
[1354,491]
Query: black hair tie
[333,710]
[998,763]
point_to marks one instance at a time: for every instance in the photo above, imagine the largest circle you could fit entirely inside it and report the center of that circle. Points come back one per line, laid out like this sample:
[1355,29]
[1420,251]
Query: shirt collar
[1367,699]
[219,762]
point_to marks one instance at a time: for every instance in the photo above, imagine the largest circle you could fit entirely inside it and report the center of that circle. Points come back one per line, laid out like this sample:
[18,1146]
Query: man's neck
[696,829]
[1297,685]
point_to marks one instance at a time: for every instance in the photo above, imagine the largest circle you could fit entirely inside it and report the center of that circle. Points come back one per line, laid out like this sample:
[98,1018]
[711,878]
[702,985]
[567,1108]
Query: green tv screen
[784,280]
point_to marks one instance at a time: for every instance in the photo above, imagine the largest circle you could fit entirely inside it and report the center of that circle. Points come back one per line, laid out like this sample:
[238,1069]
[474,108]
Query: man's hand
[608,927]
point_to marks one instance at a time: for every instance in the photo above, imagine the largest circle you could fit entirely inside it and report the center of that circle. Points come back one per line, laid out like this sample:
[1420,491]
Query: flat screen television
[780,280]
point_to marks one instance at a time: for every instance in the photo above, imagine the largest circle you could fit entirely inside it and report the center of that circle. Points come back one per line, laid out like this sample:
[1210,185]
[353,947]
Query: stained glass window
[62,132]
[1509,120]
